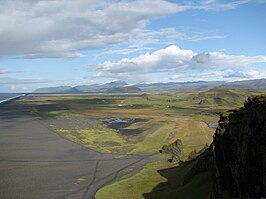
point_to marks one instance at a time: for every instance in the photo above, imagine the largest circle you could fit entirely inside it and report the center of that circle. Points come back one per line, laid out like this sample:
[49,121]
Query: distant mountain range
[93,88]
[179,86]
[258,84]
[123,87]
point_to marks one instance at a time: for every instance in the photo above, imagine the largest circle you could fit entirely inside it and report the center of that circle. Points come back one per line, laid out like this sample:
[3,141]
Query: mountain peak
[116,83]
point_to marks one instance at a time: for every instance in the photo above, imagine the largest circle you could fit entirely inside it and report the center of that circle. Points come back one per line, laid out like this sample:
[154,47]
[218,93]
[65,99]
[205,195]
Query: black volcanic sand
[129,132]
[36,163]
[120,124]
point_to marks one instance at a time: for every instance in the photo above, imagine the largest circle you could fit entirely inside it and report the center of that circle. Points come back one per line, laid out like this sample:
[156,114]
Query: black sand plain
[36,163]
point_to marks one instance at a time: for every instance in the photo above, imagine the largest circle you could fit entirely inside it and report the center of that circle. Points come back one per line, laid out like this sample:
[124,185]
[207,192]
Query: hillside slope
[126,89]
[58,89]
[233,166]
[222,97]
[179,86]
[93,88]
[257,84]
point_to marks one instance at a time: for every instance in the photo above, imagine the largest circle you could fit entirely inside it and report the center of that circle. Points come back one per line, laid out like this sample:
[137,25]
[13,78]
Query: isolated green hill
[223,97]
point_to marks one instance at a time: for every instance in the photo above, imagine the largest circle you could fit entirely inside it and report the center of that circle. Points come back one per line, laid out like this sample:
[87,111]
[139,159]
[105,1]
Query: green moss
[159,180]
[154,141]
[226,114]
[104,140]
[63,131]
[199,187]
[120,156]
[80,180]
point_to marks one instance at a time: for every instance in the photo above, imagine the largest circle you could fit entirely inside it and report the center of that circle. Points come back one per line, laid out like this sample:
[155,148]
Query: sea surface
[6,96]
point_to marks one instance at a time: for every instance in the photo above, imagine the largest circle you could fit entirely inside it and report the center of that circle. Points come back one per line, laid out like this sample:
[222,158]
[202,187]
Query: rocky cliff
[237,156]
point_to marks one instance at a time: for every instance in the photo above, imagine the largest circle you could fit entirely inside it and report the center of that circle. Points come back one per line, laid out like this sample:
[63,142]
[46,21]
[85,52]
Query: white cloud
[173,59]
[60,28]
[220,75]
[142,38]
[158,61]
[216,5]
[178,64]
[220,59]
[24,81]
[26,84]
[7,71]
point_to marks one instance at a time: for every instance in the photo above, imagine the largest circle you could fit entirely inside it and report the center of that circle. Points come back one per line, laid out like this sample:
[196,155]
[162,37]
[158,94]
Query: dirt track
[37,163]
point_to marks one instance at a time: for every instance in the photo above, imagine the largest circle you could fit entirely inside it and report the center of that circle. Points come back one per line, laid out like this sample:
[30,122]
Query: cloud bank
[59,28]
[175,60]
[63,28]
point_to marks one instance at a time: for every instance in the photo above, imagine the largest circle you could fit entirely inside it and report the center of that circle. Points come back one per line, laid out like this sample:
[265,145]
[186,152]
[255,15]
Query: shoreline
[12,98]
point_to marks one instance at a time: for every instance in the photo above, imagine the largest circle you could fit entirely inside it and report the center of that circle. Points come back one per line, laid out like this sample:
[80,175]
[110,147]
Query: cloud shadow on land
[199,187]
[13,109]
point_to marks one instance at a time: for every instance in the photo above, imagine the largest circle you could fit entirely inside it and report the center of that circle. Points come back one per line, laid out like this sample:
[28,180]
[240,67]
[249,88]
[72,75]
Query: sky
[47,43]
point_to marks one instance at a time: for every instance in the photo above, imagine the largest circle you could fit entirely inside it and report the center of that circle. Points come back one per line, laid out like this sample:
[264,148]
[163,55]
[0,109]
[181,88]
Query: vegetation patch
[160,180]
[104,140]
[80,180]
[136,185]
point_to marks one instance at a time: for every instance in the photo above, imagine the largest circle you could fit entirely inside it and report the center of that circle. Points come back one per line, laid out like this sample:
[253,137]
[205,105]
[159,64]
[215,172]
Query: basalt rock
[175,149]
[237,156]
[240,151]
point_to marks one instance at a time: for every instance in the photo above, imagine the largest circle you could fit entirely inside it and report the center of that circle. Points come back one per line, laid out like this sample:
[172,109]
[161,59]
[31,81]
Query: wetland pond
[121,124]
[211,124]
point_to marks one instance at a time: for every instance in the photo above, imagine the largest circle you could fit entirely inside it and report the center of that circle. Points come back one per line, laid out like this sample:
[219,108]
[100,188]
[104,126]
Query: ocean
[8,96]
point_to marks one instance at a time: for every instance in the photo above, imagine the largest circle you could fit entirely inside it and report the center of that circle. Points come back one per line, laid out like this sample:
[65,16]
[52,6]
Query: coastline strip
[11,98]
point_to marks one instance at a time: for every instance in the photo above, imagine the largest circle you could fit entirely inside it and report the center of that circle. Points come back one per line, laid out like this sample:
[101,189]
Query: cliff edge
[237,156]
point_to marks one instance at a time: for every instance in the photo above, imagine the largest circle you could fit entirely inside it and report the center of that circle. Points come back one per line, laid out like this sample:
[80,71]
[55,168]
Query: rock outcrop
[237,156]
[175,149]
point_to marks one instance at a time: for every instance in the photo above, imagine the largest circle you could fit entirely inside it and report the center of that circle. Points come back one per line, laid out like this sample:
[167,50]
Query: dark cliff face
[239,151]
[237,156]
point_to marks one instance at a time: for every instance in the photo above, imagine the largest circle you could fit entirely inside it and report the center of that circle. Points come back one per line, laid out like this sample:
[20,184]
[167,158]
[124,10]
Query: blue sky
[61,42]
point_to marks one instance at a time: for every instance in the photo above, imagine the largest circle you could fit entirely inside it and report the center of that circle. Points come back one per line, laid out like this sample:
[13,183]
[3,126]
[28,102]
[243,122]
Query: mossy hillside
[133,187]
[222,97]
[159,180]
[102,139]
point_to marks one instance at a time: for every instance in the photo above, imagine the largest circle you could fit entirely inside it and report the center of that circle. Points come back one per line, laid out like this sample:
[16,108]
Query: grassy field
[159,180]
[164,118]
[136,185]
